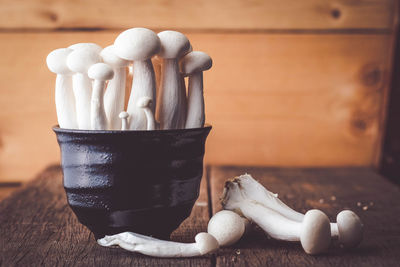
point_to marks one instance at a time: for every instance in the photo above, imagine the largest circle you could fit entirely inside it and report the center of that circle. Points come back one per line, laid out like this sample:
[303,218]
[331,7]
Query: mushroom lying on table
[349,228]
[313,232]
[205,243]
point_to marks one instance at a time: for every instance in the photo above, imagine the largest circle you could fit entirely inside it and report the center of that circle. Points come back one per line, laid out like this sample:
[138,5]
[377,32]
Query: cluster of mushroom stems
[246,201]
[91,81]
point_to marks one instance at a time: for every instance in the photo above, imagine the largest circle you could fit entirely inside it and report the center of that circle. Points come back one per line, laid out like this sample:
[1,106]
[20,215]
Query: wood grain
[275,99]
[330,190]
[198,14]
[39,229]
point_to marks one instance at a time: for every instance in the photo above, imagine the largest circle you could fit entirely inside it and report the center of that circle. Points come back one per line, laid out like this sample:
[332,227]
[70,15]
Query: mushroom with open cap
[100,73]
[172,94]
[139,45]
[64,95]
[348,227]
[114,97]
[313,232]
[205,243]
[79,62]
[193,65]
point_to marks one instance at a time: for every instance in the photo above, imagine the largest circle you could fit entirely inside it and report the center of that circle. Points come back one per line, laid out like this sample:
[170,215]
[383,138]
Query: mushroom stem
[143,85]
[170,95]
[82,89]
[65,102]
[145,103]
[205,243]
[313,232]
[195,115]
[100,73]
[98,115]
[255,191]
[114,98]
[124,120]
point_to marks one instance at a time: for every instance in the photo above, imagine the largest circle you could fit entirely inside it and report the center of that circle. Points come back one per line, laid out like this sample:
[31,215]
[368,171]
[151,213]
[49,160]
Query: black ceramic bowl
[140,181]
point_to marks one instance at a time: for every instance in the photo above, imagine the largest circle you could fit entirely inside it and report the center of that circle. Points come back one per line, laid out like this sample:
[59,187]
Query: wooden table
[38,228]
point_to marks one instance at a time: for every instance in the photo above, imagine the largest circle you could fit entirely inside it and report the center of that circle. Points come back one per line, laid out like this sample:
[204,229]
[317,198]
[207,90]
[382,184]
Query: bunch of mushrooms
[91,83]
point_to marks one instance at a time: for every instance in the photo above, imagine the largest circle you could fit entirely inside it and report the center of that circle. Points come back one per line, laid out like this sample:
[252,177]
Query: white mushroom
[124,120]
[145,103]
[79,61]
[139,45]
[171,95]
[100,73]
[64,95]
[349,228]
[193,64]
[114,97]
[205,243]
[313,232]
[227,227]
[91,46]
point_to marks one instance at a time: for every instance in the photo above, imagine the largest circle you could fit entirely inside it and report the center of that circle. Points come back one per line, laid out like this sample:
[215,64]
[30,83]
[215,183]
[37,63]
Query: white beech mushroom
[100,73]
[193,64]
[349,228]
[92,46]
[171,95]
[145,103]
[139,45]
[205,243]
[124,120]
[227,227]
[64,95]
[114,97]
[79,61]
[313,232]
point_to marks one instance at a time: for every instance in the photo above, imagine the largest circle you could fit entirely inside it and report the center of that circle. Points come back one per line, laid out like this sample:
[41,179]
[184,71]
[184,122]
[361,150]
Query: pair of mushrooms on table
[90,83]
[245,200]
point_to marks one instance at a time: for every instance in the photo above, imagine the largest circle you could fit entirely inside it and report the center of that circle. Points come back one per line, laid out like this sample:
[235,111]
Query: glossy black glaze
[140,181]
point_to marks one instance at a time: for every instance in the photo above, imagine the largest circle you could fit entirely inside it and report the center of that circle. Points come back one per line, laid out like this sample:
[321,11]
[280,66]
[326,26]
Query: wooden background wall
[294,83]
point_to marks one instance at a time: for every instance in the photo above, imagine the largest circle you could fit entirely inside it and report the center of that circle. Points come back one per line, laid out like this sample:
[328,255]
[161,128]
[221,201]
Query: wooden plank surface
[198,14]
[287,99]
[37,228]
[330,190]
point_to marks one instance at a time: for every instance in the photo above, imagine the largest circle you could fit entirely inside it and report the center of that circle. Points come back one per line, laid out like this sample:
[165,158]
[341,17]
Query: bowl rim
[57,129]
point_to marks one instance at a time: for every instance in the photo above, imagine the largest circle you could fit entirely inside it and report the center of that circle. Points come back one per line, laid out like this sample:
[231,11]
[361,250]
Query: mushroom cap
[144,102]
[57,61]
[206,243]
[108,55]
[195,61]
[315,236]
[100,71]
[81,59]
[350,228]
[173,44]
[86,45]
[137,44]
[227,227]
[123,115]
